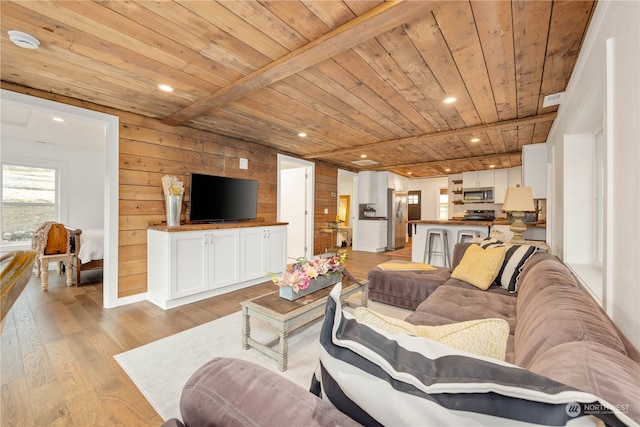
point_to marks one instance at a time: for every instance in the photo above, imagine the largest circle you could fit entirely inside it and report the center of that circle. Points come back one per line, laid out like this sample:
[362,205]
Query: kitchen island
[453,226]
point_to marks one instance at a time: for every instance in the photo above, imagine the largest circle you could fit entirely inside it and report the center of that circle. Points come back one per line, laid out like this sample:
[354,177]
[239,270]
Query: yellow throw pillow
[484,337]
[405,266]
[479,267]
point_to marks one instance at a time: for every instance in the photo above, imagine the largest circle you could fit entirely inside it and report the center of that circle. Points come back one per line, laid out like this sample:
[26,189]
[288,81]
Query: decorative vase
[173,207]
[316,284]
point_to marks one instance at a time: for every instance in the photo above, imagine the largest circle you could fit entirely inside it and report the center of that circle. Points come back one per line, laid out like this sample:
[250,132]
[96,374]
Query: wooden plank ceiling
[358,77]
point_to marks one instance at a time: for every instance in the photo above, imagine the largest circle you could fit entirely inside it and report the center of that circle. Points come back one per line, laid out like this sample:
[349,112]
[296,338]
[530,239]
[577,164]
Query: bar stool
[470,234]
[429,251]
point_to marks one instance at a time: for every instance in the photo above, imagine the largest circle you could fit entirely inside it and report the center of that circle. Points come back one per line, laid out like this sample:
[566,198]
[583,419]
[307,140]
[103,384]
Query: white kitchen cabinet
[501,182]
[372,235]
[262,250]
[478,179]
[368,188]
[504,178]
[397,182]
[515,176]
[187,266]
[534,169]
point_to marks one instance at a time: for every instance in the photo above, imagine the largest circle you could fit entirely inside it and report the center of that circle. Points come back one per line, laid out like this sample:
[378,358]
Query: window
[413,199]
[443,204]
[29,198]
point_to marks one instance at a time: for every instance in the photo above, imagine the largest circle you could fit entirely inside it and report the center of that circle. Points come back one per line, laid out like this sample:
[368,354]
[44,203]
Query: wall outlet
[244,163]
[326,211]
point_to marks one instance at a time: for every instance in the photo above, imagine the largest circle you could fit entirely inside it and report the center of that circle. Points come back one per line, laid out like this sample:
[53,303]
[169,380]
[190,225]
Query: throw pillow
[484,337]
[378,378]
[515,258]
[479,267]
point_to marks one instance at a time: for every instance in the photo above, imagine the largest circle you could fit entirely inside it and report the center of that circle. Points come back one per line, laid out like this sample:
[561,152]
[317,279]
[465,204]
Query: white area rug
[161,368]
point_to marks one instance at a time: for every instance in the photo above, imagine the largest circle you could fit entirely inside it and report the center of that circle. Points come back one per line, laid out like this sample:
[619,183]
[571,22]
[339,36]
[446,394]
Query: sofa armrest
[232,392]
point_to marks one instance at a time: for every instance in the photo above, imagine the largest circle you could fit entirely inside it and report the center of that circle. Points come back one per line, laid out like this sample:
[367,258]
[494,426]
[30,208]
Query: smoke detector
[23,39]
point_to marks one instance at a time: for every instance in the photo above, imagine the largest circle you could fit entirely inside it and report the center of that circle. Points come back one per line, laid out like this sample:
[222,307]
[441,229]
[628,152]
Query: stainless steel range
[479,215]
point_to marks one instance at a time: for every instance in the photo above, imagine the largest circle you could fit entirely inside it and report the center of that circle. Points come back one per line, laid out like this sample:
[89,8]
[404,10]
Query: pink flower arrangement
[299,274]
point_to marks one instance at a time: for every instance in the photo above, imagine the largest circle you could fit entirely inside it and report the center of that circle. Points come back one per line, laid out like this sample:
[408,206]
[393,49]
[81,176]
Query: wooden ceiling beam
[540,118]
[377,21]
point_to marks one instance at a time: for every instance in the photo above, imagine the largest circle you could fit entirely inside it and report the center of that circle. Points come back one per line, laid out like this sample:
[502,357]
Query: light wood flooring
[57,365]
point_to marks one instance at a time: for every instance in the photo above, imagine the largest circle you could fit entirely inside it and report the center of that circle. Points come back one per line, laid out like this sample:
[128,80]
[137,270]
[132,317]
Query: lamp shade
[518,199]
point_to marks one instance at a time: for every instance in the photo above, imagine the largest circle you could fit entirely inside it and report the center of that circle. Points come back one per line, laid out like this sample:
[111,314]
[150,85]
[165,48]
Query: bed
[87,250]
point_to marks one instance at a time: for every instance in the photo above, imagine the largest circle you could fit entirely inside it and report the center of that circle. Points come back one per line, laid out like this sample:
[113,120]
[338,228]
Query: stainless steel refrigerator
[396,218]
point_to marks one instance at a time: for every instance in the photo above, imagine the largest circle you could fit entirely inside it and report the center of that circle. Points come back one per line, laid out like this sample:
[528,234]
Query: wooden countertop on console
[215,226]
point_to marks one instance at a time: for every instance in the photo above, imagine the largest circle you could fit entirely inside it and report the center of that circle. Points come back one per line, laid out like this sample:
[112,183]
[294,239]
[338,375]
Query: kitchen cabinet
[504,178]
[501,182]
[478,179]
[187,266]
[368,188]
[534,169]
[372,235]
[397,182]
[263,250]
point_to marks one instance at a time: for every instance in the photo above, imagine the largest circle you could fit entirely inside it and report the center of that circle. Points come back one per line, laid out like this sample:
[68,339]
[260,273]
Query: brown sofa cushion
[405,289]
[594,368]
[556,314]
[232,392]
[457,301]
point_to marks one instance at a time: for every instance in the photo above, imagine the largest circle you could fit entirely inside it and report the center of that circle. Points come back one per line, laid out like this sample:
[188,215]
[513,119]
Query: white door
[295,204]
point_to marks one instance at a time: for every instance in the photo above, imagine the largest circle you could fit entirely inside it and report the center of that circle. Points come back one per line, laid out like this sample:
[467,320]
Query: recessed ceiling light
[450,100]
[165,88]
[447,169]
[475,139]
[409,173]
[58,119]
[492,166]
[363,156]
[302,134]
[24,40]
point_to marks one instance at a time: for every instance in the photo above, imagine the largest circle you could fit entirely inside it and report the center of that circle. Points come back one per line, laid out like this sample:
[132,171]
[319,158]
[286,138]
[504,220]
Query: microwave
[478,195]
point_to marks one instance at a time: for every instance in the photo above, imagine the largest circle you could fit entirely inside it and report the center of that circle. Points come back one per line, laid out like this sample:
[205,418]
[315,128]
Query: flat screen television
[219,198]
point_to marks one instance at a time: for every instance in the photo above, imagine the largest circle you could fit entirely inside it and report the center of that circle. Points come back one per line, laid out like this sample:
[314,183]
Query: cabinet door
[534,169]
[515,176]
[275,249]
[382,235]
[252,264]
[501,178]
[224,258]
[189,264]
[486,179]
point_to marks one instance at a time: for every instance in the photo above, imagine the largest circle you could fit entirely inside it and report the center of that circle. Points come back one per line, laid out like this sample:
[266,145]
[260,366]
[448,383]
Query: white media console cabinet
[192,262]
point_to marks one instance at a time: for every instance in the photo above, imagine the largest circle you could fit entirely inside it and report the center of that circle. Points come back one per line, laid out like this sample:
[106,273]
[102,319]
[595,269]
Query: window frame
[61,213]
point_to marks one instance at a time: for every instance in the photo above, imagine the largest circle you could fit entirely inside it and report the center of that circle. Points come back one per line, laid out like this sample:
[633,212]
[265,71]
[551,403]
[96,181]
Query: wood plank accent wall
[150,149]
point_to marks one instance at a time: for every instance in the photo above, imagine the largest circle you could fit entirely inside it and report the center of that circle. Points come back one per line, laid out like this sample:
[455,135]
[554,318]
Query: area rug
[161,368]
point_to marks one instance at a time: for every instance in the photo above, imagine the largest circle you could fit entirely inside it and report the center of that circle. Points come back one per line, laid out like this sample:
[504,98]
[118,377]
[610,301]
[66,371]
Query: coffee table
[287,316]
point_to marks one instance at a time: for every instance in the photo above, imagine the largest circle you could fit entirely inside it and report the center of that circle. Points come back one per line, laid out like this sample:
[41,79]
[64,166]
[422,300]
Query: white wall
[82,174]
[608,64]
[430,193]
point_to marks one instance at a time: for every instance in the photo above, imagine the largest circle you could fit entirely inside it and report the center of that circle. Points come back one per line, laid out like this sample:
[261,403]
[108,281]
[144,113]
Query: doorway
[111,146]
[414,203]
[295,204]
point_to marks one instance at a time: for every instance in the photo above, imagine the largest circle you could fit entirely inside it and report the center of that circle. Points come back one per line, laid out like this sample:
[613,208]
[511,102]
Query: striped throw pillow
[515,258]
[378,379]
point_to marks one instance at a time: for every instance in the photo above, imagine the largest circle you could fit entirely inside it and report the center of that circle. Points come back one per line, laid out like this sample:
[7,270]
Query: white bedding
[91,245]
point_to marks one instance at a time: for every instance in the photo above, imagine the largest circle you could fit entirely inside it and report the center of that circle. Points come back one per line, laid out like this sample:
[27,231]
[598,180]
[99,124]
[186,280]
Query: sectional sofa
[564,361]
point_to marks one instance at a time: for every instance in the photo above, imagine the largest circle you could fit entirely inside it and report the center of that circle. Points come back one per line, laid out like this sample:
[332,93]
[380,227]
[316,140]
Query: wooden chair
[16,272]
[56,250]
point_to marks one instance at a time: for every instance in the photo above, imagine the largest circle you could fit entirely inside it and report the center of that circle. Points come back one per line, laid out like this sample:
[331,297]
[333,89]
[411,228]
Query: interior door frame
[284,162]
[112,150]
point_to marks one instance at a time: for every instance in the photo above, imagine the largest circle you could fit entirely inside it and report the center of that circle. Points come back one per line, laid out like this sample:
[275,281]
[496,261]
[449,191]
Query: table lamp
[518,200]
